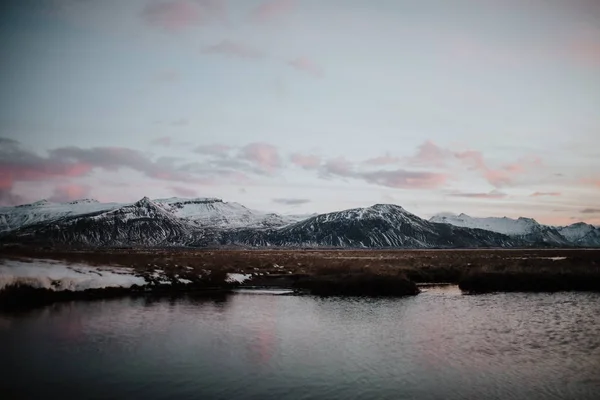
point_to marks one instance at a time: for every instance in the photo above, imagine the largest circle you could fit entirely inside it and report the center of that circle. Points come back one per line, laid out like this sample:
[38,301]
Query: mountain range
[211,222]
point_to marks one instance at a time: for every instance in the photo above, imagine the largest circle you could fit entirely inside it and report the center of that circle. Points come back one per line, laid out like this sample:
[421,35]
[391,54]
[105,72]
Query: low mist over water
[440,344]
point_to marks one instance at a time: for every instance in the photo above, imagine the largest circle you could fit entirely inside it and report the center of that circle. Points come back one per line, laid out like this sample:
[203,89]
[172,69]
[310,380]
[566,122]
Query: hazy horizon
[488,108]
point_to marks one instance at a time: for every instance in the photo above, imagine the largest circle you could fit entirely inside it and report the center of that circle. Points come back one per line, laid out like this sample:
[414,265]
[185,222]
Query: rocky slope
[212,222]
[526,229]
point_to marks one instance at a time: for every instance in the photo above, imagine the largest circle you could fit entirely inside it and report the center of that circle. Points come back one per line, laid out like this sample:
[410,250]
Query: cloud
[306,65]
[494,194]
[8,198]
[590,211]
[382,160]
[183,191]
[235,49]
[18,164]
[264,155]
[164,141]
[291,202]
[115,158]
[497,177]
[399,178]
[430,154]
[591,182]
[271,9]
[402,179]
[541,194]
[338,166]
[305,161]
[176,15]
[69,192]
[213,149]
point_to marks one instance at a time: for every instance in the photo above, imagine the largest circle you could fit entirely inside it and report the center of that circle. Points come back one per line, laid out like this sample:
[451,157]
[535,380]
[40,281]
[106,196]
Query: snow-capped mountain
[12,218]
[205,212]
[524,228]
[213,222]
[581,234]
[378,226]
[210,212]
[143,223]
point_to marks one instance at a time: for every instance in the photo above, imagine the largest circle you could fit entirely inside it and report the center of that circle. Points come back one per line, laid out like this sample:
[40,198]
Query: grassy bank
[346,272]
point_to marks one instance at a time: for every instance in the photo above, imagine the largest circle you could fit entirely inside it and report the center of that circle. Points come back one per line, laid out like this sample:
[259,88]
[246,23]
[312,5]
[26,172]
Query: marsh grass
[474,270]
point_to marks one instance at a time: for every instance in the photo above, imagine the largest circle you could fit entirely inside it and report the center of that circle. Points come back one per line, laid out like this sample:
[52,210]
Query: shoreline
[393,273]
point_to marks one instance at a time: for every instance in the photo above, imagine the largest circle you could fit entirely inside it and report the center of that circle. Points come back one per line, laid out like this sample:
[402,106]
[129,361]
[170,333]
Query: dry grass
[419,265]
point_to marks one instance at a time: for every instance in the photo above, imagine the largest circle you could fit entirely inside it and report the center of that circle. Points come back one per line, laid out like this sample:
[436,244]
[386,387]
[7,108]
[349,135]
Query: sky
[483,107]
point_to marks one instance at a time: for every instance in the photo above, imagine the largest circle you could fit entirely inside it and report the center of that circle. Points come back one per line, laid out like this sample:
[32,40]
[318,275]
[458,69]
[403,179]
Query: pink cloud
[306,65]
[69,192]
[382,160]
[498,177]
[591,182]
[42,171]
[402,179]
[473,158]
[305,161]
[272,9]
[163,141]
[183,191]
[176,15]
[264,155]
[494,194]
[542,194]
[227,47]
[430,153]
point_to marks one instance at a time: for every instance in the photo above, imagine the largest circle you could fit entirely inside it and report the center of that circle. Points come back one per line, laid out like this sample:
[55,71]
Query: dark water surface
[438,345]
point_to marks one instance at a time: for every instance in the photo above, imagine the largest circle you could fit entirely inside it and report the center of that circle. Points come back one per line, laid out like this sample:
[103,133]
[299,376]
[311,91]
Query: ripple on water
[439,344]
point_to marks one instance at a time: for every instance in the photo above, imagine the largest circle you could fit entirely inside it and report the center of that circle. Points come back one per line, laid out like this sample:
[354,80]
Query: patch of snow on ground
[184,281]
[264,291]
[56,276]
[239,278]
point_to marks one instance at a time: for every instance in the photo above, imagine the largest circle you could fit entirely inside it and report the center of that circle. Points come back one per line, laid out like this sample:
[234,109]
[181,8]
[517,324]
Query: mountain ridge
[210,221]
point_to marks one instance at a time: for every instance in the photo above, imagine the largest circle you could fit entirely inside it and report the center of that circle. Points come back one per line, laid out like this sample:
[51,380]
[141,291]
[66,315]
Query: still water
[437,345]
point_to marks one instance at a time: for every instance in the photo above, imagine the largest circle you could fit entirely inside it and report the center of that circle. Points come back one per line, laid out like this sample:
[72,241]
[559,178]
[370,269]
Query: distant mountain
[526,229]
[581,234]
[210,212]
[212,222]
[12,218]
[379,226]
[143,223]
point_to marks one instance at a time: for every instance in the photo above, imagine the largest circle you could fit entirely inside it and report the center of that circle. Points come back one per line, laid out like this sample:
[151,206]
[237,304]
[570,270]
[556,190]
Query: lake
[437,345]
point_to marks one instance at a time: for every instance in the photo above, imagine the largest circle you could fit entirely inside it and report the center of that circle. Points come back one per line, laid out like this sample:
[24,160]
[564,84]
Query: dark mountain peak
[84,201]
[35,204]
[145,202]
[387,207]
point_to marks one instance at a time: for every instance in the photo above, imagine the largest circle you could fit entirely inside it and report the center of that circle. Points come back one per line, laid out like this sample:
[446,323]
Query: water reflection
[435,345]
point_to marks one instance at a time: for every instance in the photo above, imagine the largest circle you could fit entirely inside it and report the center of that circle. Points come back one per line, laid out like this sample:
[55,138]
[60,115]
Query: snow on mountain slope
[205,212]
[143,223]
[211,212]
[44,211]
[525,228]
[576,231]
[581,234]
[381,225]
[507,226]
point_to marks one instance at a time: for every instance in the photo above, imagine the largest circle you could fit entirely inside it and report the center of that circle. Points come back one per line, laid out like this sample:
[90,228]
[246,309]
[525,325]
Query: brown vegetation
[356,271]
